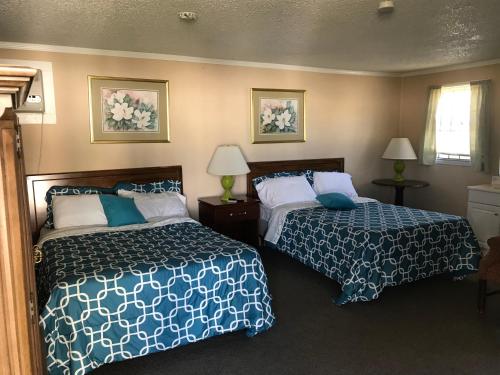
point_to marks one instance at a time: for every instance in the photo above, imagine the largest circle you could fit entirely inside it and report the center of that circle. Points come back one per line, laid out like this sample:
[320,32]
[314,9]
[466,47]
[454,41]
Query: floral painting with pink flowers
[129,110]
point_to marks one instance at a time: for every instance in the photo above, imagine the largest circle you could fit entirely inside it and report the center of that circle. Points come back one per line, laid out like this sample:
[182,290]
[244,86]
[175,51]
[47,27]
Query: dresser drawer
[484,197]
[484,220]
[238,213]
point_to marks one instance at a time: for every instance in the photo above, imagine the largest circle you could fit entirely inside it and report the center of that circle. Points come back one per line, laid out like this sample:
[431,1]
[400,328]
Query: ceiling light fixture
[188,16]
[386,6]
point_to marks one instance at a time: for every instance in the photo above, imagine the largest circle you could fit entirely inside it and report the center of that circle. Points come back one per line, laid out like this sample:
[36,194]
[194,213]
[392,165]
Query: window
[457,126]
[453,124]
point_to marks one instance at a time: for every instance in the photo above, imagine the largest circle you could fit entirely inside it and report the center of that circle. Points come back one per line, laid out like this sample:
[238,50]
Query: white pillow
[280,190]
[156,205]
[77,210]
[334,182]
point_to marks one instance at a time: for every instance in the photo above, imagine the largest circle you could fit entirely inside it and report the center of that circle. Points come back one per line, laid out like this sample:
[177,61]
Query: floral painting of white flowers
[278,115]
[128,110]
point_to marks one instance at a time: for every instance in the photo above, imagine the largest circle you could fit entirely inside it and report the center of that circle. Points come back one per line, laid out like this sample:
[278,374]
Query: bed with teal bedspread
[376,245]
[118,294]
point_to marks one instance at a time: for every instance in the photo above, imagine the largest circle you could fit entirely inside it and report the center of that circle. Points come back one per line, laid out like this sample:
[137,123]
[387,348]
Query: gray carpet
[428,327]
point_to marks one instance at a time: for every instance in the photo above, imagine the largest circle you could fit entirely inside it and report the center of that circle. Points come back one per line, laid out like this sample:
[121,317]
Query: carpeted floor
[428,327]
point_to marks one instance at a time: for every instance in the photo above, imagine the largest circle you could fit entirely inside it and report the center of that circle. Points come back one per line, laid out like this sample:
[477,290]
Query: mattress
[265,216]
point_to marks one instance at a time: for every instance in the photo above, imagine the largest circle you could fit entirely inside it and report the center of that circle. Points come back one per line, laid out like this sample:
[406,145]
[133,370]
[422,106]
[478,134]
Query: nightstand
[239,220]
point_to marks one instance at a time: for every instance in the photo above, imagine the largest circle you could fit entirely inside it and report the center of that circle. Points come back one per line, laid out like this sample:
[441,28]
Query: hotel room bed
[370,247]
[110,294]
[374,246]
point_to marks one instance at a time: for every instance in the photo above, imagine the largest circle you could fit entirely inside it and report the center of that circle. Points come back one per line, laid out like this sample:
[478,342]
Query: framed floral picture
[278,116]
[128,110]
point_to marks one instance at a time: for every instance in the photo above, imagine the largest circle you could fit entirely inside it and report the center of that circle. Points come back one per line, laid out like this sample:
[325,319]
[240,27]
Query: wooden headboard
[39,184]
[262,168]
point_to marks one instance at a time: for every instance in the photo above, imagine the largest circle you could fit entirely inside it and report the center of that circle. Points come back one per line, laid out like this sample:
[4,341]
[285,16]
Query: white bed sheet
[265,216]
[49,234]
[274,218]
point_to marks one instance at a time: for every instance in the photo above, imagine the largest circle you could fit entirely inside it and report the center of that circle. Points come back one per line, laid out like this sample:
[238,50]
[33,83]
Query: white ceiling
[339,34]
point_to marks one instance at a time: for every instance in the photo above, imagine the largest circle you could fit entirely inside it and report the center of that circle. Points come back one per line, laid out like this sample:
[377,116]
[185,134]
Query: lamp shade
[399,149]
[228,160]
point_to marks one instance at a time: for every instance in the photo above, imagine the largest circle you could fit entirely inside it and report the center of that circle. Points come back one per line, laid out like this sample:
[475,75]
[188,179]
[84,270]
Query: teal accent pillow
[120,211]
[337,201]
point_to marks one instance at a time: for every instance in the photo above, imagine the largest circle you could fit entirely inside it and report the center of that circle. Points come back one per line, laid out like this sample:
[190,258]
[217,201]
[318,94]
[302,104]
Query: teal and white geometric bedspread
[374,246]
[113,294]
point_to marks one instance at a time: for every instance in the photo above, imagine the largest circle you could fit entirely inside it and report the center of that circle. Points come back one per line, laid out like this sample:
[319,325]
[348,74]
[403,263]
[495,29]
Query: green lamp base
[399,167]
[227,183]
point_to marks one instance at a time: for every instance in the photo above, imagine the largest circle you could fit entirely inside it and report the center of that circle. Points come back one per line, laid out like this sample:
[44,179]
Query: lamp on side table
[399,150]
[227,161]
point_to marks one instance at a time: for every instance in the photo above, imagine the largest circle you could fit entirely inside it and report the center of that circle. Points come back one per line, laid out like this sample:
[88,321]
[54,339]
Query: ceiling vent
[386,6]
[188,16]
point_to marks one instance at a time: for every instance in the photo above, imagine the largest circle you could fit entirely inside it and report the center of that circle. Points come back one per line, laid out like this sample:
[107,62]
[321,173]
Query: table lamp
[227,161]
[399,149]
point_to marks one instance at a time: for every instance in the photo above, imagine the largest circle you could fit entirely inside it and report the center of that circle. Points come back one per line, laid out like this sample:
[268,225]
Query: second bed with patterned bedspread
[110,295]
[375,245]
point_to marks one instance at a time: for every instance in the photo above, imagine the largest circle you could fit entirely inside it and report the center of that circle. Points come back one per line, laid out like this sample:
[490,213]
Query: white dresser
[483,212]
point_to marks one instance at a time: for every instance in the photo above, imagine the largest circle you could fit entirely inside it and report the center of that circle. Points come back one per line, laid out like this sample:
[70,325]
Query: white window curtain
[427,154]
[479,126]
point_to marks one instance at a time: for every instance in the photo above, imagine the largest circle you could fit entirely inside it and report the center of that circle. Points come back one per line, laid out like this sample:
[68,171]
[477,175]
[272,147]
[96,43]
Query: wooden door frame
[20,345]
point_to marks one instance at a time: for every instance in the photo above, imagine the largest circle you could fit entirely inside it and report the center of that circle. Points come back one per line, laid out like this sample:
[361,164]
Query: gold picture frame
[278,116]
[128,110]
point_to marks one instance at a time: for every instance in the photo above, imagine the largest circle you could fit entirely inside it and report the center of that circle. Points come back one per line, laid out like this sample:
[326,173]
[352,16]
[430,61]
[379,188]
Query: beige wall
[447,192]
[347,116]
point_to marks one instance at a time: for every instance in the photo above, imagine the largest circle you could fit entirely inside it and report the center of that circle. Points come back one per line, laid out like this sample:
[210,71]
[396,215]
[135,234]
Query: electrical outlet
[34,99]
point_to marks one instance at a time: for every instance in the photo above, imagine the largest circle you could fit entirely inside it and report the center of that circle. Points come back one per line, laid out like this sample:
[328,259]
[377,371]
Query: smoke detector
[188,16]
[386,6]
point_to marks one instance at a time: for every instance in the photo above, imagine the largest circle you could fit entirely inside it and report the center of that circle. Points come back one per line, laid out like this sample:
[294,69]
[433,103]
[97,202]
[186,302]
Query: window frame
[459,162]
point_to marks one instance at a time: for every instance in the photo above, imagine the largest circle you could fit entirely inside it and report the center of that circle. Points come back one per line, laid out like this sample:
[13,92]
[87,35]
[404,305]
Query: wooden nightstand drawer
[239,213]
[239,220]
